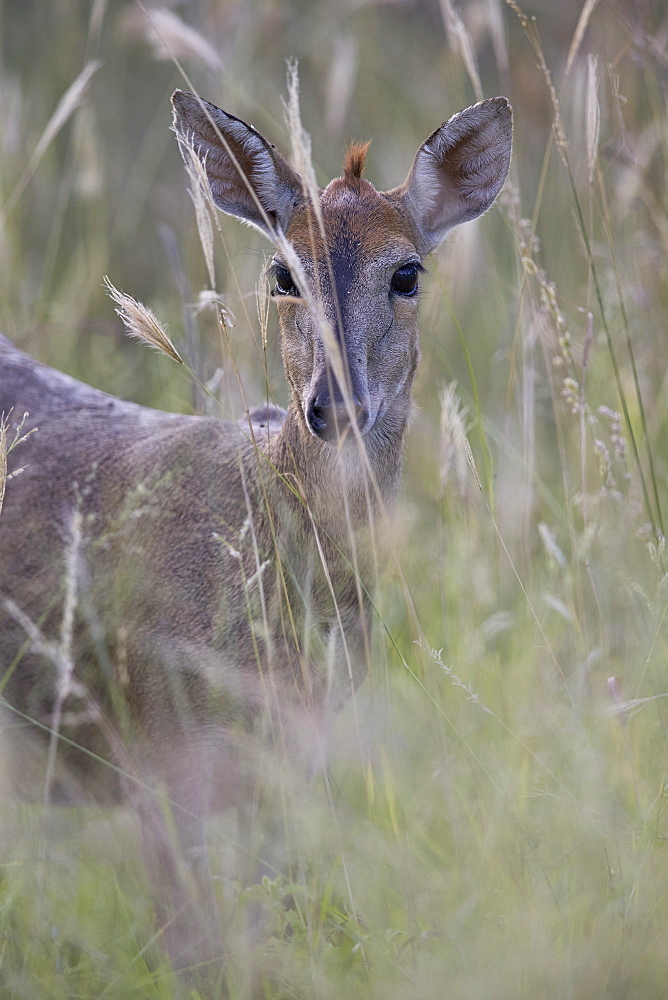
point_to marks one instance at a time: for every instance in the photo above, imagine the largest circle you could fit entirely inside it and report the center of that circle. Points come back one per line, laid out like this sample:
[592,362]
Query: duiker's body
[216,574]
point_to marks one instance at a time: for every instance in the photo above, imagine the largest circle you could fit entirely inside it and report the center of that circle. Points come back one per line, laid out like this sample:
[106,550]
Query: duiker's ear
[260,188]
[458,171]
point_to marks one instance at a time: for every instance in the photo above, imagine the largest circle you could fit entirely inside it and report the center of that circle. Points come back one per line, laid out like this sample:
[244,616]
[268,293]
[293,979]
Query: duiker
[170,582]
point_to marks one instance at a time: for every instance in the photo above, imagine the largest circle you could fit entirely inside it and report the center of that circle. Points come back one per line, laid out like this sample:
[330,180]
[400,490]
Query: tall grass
[492,820]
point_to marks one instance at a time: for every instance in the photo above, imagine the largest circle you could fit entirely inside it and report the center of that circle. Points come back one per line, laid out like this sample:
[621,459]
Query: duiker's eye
[405,279]
[284,283]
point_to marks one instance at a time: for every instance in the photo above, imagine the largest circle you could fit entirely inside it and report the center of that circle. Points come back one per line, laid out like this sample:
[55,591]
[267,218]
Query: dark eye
[405,279]
[284,283]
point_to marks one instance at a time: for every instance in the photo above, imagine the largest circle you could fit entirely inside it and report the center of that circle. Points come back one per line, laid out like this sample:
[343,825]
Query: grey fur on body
[193,533]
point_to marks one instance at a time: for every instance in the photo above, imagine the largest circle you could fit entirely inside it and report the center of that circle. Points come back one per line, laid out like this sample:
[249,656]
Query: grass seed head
[141,322]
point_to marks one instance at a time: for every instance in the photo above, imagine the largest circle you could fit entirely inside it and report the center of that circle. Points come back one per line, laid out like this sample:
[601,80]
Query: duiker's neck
[352,481]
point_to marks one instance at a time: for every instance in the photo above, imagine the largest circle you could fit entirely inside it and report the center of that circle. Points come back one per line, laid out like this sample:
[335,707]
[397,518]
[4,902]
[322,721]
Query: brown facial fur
[353,210]
[365,237]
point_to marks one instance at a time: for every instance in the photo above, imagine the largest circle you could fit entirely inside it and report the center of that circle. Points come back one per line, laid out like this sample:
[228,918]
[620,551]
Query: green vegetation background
[494,820]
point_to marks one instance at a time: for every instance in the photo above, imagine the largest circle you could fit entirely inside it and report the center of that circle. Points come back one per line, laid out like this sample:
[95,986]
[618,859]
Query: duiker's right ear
[247,176]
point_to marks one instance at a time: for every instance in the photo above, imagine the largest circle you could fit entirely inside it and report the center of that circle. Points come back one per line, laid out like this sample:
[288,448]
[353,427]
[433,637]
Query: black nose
[329,418]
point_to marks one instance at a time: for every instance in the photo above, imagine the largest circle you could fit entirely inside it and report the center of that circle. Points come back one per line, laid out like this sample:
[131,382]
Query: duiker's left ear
[458,171]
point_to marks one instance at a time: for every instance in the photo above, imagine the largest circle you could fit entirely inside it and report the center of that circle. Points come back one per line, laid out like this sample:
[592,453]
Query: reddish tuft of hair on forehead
[353,166]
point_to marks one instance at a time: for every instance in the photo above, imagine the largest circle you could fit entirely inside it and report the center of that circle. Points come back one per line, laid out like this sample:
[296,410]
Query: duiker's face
[350,354]
[353,357]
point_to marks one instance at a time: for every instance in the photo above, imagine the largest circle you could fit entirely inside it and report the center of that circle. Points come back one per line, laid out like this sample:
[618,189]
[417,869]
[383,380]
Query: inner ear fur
[458,171]
[248,177]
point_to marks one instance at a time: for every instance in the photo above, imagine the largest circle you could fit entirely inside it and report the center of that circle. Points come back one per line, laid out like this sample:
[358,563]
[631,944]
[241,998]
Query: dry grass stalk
[208,298]
[461,40]
[437,656]
[65,108]
[140,322]
[497,31]
[64,661]
[593,116]
[301,152]
[531,32]
[578,34]
[6,446]
[38,643]
[3,460]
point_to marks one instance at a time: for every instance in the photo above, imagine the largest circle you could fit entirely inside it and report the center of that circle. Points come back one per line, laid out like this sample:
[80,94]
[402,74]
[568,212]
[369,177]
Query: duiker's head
[347,271]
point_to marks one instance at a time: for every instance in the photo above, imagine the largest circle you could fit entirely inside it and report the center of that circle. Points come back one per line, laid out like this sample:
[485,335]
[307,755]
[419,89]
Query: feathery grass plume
[592,115]
[461,40]
[553,550]
[170,38]
[263,301]
[453,435]
[301,153]
[300,140]
[200,193]
[140,322]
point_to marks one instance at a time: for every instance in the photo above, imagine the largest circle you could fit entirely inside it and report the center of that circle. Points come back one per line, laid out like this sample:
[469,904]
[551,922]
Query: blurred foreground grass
[493,824]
